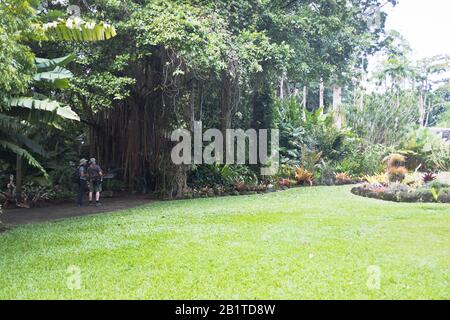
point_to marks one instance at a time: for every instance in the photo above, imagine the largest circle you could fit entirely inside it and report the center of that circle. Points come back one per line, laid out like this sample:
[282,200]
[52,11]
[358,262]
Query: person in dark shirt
[95,175]
[82,181]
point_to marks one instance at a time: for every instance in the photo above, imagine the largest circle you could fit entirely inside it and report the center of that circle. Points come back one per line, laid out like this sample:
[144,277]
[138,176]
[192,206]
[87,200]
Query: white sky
[424,23]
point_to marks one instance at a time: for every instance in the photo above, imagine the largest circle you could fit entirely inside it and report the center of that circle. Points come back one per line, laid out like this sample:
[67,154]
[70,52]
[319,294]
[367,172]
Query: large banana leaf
[23,153]
[48,64]
[44,105]
[56,74]
[75,29]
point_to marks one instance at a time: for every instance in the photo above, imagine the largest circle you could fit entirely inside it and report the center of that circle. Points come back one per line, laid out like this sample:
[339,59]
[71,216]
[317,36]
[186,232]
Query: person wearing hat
[82,181]
[95,181]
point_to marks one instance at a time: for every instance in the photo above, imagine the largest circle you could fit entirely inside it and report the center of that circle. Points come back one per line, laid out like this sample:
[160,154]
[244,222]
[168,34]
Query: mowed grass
[307,243]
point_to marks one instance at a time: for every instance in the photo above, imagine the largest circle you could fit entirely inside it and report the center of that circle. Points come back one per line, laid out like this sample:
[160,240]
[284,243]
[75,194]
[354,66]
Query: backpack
[94,173]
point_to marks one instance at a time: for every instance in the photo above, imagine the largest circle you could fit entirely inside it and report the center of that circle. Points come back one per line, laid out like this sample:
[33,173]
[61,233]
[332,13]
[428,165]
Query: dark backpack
[94,172]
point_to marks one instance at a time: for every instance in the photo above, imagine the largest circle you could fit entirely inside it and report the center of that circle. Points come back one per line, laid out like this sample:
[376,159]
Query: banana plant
[50,72]
[76,29]
[24,113]
[21,117]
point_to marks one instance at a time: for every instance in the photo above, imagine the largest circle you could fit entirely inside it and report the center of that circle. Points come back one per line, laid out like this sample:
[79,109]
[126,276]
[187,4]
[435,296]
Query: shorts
[95,186]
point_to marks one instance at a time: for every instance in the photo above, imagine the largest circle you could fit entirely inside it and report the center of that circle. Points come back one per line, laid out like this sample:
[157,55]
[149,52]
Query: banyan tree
[173,64]
[176,62]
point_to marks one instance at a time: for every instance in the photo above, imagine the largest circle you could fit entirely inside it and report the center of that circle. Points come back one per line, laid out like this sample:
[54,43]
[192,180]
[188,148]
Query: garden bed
[403,193]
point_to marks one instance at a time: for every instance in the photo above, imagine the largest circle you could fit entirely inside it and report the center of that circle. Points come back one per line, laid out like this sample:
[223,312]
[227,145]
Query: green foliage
[326,172]
[287,112]
[364,160]
[435,194]
[44,105]
[100,90]
[12,147]
[383,118]
[426,149]
[444,119]
[181,28]
[16,59]
[435,185]
[304,142]
[34,195]
[224,175]
[174,61]
[43,64]
[24,78]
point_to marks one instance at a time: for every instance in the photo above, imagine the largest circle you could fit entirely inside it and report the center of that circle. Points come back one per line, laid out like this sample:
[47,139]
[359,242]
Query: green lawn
[307,243]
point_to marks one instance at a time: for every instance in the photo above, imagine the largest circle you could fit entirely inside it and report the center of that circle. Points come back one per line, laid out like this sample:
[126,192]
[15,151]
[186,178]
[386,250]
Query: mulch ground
[14,217]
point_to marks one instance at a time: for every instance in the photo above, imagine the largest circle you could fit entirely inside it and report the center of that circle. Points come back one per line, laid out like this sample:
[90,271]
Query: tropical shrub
[306,140]
[426,150]
[395,160]
[428,177]
[240,186]
[378,179]
[225,175]
[343,178]
[325,173]
[364,160]
[303,176]
[396,170]
[34,195]
[286,171]
[413,180]
[285,183]
[435,185]
[377,121]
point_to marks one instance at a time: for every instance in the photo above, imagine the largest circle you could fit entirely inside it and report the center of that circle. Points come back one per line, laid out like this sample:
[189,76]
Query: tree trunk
[361,100]
[226,105]
[337,103]
[228,97]
[134,136]
[421,110]
[19,177]
[262,102]
[305,99]
[321,93]
[282,84]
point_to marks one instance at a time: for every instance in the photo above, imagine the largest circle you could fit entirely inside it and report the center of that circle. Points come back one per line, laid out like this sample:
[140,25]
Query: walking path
[13,217]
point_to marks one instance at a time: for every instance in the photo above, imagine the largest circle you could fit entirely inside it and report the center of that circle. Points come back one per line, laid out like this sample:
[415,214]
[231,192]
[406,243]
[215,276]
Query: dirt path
[14,217]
